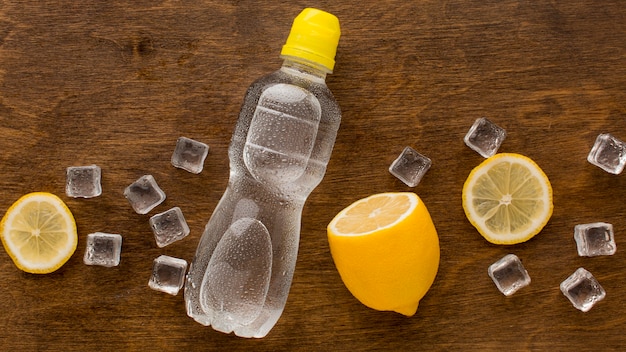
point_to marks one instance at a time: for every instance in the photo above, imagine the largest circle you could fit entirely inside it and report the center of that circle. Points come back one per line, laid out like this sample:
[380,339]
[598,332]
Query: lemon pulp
[39,233]
[508,198]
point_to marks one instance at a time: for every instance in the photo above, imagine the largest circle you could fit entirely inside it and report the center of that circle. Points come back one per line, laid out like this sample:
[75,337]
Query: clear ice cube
[608,153]
[168,274]
[169,226]
[189,155]
[103,249]
[410,167]
[509,274]
[582,289]
[594,239]
[83,181]
[485,137]
[144,194]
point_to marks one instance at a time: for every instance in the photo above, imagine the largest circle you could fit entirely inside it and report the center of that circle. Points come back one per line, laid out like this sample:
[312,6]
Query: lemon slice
[386,250]
[39,233]
[507,198]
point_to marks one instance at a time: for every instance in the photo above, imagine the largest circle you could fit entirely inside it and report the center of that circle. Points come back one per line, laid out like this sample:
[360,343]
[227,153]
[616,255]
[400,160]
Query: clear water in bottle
[240,277]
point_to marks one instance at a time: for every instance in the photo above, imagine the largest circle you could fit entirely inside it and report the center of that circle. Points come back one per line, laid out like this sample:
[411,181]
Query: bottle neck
[312,70]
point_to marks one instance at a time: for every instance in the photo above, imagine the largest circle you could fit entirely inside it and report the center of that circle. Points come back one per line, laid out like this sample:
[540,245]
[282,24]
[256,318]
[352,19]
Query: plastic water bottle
[242,271]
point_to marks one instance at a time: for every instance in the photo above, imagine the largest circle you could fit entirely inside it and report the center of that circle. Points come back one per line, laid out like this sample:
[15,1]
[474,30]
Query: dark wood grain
[116,83]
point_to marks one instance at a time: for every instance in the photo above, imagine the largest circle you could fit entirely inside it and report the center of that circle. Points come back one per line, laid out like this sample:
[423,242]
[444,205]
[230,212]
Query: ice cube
[582,289]
[168,274]
[594,239]
[608,153]
[103,249]
[410,166]
[144,194]
[189,155]
[485,137]
[509,274]
[83,181]
[169,226]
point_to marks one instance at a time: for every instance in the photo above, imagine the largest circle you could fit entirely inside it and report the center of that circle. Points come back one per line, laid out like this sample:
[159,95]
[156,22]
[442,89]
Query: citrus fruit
[39,233]
[386,250]
[507,198]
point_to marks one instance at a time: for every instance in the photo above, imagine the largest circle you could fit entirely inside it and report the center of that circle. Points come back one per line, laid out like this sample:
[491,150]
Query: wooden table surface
[116,83]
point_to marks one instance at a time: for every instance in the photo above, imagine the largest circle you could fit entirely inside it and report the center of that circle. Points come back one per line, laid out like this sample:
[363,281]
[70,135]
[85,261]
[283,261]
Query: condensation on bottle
[240,277]
[282,134]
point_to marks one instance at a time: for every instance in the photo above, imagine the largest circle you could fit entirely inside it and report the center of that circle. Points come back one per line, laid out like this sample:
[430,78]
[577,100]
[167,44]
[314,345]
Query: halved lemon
[39,233]
[508,198]
[386,250]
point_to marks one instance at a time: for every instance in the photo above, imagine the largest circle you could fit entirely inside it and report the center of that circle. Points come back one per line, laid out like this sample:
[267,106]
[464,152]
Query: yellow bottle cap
[314,37]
